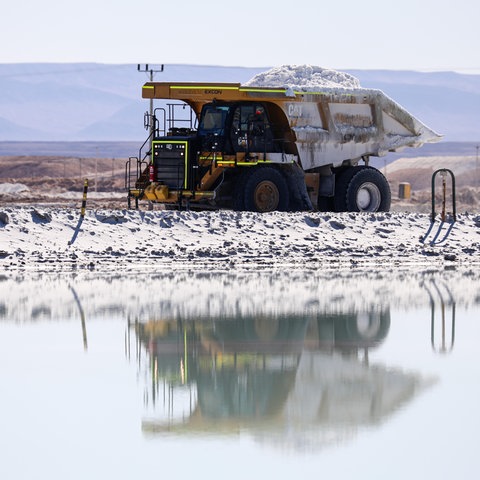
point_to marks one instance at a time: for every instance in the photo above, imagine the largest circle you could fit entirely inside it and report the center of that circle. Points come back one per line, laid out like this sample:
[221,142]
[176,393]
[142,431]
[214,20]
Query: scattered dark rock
[41,217]
[431,253]
[111,219]
[165,223]
[312,222]
[383,230]
[337,225]
[4,219]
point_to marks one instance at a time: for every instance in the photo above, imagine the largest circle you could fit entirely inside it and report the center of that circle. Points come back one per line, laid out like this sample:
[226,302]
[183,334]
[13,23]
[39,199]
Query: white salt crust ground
[58,239]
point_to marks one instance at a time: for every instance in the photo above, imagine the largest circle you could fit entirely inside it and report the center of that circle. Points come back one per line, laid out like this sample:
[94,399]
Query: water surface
[253,375]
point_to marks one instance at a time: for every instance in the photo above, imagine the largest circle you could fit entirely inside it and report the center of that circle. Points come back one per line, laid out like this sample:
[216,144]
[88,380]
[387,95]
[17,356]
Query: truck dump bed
[332,126]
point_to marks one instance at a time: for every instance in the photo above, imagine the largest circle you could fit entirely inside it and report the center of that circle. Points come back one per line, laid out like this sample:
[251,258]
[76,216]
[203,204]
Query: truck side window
[239,132]
[242,117]
[251,129]
[213,120]
[258,122]
[247,113]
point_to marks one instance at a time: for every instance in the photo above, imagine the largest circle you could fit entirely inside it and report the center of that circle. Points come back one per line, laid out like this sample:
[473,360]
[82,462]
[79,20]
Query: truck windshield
[213,120]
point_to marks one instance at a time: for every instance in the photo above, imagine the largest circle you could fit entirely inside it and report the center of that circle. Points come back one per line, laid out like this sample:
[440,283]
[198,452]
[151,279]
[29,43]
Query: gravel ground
[60,239]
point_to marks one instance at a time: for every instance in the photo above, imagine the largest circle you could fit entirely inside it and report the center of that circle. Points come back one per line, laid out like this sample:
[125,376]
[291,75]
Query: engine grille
[170,159]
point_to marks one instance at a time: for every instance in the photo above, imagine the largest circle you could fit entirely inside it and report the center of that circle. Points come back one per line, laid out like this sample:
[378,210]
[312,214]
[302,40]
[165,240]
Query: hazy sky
[348,34]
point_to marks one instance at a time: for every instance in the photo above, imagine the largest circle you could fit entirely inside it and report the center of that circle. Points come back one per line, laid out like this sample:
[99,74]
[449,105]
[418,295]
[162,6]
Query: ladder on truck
[160,123]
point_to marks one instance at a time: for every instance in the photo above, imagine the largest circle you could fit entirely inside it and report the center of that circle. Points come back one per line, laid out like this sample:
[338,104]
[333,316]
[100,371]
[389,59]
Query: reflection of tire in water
[363,328]
[368,325]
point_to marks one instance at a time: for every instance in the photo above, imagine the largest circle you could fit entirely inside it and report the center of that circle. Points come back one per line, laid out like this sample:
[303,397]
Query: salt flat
[60,239]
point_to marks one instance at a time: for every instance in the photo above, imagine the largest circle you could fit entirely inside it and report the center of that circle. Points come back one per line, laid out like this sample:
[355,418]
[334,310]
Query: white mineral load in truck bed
[304,78]
[336,120]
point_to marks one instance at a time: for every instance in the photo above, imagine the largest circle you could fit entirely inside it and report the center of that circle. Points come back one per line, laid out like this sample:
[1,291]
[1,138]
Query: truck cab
[238,127]
[210,165]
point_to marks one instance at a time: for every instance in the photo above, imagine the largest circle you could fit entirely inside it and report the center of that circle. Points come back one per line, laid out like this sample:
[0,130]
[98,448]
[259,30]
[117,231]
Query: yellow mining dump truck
[265,149]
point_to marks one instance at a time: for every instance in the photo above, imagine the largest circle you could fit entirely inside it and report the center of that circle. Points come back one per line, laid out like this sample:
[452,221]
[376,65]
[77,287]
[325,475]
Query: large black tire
[362,189]
[299,198]
[266,190]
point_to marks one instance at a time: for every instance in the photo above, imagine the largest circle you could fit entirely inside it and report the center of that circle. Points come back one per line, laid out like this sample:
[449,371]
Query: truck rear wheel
[266,190]
[362,189]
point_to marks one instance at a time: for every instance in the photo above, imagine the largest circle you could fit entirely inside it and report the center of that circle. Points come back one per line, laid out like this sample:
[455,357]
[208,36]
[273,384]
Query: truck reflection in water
[277,376]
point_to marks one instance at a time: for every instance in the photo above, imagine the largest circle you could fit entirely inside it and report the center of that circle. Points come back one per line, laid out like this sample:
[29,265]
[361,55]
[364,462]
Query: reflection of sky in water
[257,374]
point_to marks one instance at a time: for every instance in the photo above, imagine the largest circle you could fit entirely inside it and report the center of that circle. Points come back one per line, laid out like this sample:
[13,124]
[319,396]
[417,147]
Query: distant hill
[100,102]
[90,149]
[82,102]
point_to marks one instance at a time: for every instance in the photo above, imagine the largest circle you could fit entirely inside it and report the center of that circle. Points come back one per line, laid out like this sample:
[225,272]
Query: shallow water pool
[249,375]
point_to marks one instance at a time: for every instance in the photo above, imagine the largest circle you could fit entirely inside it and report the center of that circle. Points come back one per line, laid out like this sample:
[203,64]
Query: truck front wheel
[266,190]
[362,189]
